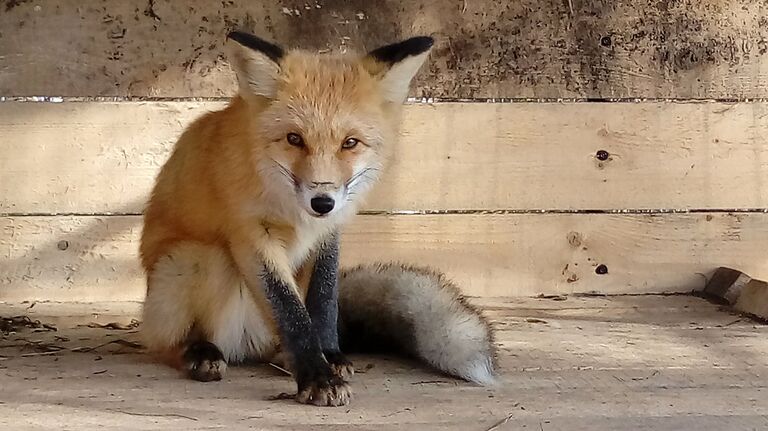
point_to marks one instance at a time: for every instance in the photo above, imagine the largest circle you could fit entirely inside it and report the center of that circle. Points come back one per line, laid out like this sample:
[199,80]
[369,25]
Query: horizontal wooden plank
[528,48]
[95,258]
[103,157]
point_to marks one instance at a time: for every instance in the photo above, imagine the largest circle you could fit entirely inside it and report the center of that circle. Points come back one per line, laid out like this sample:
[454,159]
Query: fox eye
[295,140]
[350,143]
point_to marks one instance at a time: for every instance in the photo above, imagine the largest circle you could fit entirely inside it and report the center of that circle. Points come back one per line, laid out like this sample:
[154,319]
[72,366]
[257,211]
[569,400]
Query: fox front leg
[317,383]
[323,305]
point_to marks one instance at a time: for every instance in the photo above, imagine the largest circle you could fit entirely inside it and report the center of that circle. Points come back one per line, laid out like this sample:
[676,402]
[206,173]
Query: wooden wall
[654,165]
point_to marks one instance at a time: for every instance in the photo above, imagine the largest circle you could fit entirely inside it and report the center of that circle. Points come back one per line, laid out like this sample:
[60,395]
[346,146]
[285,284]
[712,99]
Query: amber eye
[295,140]
[350,143]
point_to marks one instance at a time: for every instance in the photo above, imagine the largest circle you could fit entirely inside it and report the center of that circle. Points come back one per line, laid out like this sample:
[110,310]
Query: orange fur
[251,192]
[225,204]
[201,190]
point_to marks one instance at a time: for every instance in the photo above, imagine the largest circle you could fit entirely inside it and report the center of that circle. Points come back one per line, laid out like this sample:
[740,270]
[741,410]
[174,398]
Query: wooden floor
[589,363]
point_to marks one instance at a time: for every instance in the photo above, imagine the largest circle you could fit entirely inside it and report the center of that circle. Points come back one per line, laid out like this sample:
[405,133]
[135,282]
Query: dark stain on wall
[526,48]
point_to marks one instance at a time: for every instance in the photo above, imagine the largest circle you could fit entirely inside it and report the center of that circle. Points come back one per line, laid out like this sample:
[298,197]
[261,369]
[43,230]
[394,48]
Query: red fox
[240,241]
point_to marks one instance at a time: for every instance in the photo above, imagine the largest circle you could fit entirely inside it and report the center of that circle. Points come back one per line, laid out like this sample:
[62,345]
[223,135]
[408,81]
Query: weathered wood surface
[583,364]
[103,157]
[744,293]
[529,48]
[96,259]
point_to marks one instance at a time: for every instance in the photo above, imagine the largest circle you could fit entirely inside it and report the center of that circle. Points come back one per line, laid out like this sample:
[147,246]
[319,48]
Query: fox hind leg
[204,361]
[184,288]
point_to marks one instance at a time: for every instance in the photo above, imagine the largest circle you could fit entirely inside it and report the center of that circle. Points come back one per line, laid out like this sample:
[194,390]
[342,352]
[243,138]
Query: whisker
[356,176]
[359,174]
[269,171]
[286,172]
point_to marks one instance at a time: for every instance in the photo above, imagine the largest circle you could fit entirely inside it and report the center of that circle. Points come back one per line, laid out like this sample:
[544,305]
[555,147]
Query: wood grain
[95,258]
[528,48]
[585,364]
[103,157]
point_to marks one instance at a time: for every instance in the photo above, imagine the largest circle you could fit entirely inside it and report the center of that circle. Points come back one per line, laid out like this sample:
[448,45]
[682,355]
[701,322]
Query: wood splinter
[744,293]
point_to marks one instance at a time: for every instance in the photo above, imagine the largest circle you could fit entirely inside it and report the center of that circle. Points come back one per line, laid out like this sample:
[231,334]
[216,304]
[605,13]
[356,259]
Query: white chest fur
[308,237]
[310,231]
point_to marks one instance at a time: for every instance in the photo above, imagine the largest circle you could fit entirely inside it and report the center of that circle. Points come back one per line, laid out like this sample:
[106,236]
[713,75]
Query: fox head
[322,126]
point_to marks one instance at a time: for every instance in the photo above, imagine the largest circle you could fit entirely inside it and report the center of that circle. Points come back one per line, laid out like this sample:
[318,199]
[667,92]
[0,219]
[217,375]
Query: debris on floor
[585,363]
[744,293]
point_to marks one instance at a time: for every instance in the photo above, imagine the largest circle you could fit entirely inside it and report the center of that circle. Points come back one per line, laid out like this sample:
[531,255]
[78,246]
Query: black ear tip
[399,51]
[274,52]
[241,37]
[422,43]
[415,45]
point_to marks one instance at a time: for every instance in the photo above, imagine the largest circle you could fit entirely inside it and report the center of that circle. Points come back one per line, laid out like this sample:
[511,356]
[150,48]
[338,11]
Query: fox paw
[341,366]
[333,393]
[204,362]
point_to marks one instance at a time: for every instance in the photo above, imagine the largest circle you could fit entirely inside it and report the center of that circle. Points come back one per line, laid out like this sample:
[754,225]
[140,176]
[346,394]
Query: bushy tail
[390,307]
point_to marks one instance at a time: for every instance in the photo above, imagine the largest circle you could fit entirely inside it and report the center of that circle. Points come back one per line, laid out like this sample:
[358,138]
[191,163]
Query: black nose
[322,204]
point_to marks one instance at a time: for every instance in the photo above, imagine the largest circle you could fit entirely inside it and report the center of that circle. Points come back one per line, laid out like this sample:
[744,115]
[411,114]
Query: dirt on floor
[567,363]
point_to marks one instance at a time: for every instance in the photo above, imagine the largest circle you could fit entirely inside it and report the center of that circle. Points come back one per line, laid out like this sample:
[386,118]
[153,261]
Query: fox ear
[395,65]
[256,63]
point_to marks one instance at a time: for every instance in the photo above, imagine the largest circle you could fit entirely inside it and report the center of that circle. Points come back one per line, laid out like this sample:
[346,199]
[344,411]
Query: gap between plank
[410,100]
[637,211]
